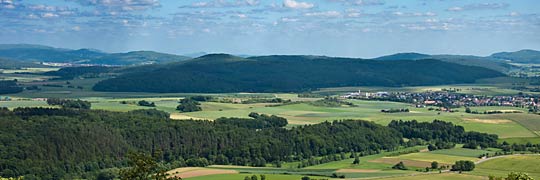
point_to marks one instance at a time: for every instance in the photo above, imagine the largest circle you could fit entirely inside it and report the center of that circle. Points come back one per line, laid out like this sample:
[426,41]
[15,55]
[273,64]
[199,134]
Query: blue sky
[351,28]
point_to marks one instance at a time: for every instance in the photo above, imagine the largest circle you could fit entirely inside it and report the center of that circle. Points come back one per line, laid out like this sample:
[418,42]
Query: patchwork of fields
[500,166]
[516,125]
[379,166]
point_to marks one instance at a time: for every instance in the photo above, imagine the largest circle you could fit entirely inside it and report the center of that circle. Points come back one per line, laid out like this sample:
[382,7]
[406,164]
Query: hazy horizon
[343,28]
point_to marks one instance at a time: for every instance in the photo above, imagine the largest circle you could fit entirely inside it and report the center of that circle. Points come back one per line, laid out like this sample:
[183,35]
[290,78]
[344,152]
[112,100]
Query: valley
[311,108]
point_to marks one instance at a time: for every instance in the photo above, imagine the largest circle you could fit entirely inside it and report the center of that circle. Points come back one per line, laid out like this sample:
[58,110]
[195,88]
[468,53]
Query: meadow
[500,166]
[515,125]
[378,166]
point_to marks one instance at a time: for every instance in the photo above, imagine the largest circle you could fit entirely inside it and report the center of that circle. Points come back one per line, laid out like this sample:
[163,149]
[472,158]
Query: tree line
[10,87]
[50,143]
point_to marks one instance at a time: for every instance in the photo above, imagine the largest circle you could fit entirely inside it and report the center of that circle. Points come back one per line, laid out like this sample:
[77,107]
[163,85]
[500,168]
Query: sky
[346,28]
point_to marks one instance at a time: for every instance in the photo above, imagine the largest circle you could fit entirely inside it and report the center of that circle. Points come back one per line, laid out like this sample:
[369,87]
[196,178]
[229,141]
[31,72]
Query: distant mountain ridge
[497,61]
[403,56]
[46,54]
[39,53]
[218,73]
[521,56]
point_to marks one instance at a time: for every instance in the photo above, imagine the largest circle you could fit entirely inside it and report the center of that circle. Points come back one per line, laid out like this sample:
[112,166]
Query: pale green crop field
[430,157]
[512,125]
[28,70]
[533,140]
[370,110]
[242,176]
[464,152]
[23,103]
[367,168]
[501,166]
[443,176]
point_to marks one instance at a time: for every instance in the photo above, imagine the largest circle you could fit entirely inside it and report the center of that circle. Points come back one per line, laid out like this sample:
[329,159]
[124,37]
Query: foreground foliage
[72,143]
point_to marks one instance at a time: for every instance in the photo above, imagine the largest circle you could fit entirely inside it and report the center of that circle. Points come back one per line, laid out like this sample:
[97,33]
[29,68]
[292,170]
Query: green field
[515,125]
[519,125]
[23,103]
[370,110]
[11,74]
[439,157]
[534,140]
[501,166]
[241,176]
[443,176]
[369,167]
[464,152]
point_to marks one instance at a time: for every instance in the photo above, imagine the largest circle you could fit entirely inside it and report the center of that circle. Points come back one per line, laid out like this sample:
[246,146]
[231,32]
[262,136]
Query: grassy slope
[444,176]
[370,110]
[516,163]
[464,152]
[430,157]
[241,176]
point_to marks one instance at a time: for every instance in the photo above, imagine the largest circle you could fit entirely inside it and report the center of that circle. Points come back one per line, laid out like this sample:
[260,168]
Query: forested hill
[13,64]
[227,73]
[522,56]
[486,62]
[38,53]
[25,53]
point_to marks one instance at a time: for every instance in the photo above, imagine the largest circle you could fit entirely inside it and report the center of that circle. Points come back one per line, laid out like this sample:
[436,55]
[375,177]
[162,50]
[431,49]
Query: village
[448,100]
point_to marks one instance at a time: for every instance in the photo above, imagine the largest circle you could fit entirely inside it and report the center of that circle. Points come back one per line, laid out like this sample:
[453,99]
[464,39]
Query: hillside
[522,56]
[403,56]
[486,62]
[38,53]
[136,58]
[12,64]
[226,73]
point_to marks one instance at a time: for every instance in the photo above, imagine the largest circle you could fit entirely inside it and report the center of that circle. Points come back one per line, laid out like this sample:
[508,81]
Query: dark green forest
[38,53]
[14,64]
[219,73]
[9,87]
[68,73]
[70,143]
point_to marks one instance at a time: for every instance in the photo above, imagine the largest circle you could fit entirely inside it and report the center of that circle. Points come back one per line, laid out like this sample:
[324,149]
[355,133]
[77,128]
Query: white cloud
[455,9]
[414,14]
[354,14]
[285,19]
[479,6]
[49,15]
[241,15]
[324,14]
[222,3]
[432,20]
[8,4]
[360,2]
[124,5]
[297,5]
